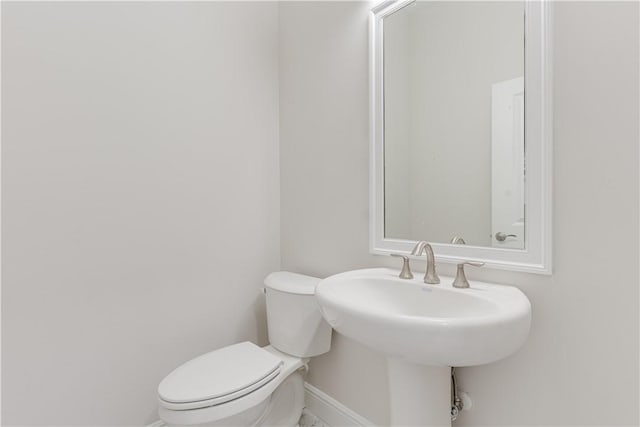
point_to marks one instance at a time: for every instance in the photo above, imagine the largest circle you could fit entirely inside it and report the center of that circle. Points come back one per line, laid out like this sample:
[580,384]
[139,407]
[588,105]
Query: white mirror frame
[536,257]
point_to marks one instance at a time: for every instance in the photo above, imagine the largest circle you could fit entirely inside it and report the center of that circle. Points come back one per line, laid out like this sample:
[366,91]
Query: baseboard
[329,410]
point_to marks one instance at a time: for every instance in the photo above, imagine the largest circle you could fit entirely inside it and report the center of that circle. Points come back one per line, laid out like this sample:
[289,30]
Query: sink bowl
[426,324]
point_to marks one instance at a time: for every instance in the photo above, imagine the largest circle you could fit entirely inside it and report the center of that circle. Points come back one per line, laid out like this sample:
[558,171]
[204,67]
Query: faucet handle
[473,263]
[406,269]
[457,240]
[461,279]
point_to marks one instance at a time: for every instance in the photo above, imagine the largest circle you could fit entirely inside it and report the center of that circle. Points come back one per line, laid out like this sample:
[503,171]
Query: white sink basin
[426,324]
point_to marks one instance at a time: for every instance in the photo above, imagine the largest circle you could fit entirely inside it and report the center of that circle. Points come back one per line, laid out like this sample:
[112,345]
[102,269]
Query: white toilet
[246,385]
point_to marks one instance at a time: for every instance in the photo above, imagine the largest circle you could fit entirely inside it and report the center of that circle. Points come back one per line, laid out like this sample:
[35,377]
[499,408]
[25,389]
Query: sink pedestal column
[420,395]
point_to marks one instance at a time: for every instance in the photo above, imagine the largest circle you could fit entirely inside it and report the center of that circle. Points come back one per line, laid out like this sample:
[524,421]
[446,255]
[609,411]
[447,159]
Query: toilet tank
[294,322]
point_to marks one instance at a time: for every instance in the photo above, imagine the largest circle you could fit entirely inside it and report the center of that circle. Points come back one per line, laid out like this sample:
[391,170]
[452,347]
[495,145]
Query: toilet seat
[238,370]
[259,396]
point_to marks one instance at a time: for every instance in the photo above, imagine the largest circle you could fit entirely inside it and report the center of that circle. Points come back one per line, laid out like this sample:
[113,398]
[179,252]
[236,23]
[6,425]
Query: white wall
[140,198]
[580,364]
[324,161]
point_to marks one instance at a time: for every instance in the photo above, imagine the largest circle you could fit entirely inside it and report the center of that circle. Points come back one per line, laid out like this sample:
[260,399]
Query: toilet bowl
[246,385]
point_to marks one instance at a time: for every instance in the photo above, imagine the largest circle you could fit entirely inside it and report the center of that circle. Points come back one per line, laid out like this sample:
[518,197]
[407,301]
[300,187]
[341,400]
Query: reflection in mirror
[454,146]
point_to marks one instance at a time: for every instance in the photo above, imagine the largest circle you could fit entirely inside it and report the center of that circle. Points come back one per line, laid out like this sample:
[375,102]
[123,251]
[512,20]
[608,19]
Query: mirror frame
[537,256]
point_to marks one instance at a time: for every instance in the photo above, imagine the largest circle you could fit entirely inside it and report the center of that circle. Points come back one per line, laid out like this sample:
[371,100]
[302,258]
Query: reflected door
[508,172]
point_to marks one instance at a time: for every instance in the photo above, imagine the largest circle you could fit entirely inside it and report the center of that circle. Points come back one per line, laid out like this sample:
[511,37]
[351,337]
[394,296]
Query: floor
[309,420]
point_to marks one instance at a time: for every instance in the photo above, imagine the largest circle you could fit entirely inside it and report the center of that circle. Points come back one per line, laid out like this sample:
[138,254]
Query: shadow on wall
[259,311]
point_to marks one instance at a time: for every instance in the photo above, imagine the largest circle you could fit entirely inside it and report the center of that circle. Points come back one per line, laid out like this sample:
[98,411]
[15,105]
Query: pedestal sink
[424,330]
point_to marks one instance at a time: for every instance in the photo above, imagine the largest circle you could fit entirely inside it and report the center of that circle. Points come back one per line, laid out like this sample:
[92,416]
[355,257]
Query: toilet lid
[292,283]
[219,376]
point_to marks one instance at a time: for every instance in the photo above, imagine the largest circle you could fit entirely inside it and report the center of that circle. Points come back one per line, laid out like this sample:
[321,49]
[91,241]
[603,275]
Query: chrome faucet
[430,277]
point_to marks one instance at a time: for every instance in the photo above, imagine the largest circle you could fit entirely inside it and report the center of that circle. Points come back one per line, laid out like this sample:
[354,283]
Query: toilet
[247,385]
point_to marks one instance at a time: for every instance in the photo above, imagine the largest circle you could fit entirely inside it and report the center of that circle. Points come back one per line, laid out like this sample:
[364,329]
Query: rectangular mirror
[461,143]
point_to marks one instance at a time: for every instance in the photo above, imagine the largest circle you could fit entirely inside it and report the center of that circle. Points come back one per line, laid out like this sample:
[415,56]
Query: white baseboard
[329,410]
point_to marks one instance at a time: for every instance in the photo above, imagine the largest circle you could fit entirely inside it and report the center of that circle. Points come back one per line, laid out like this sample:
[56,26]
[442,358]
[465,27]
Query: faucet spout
[430,277]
